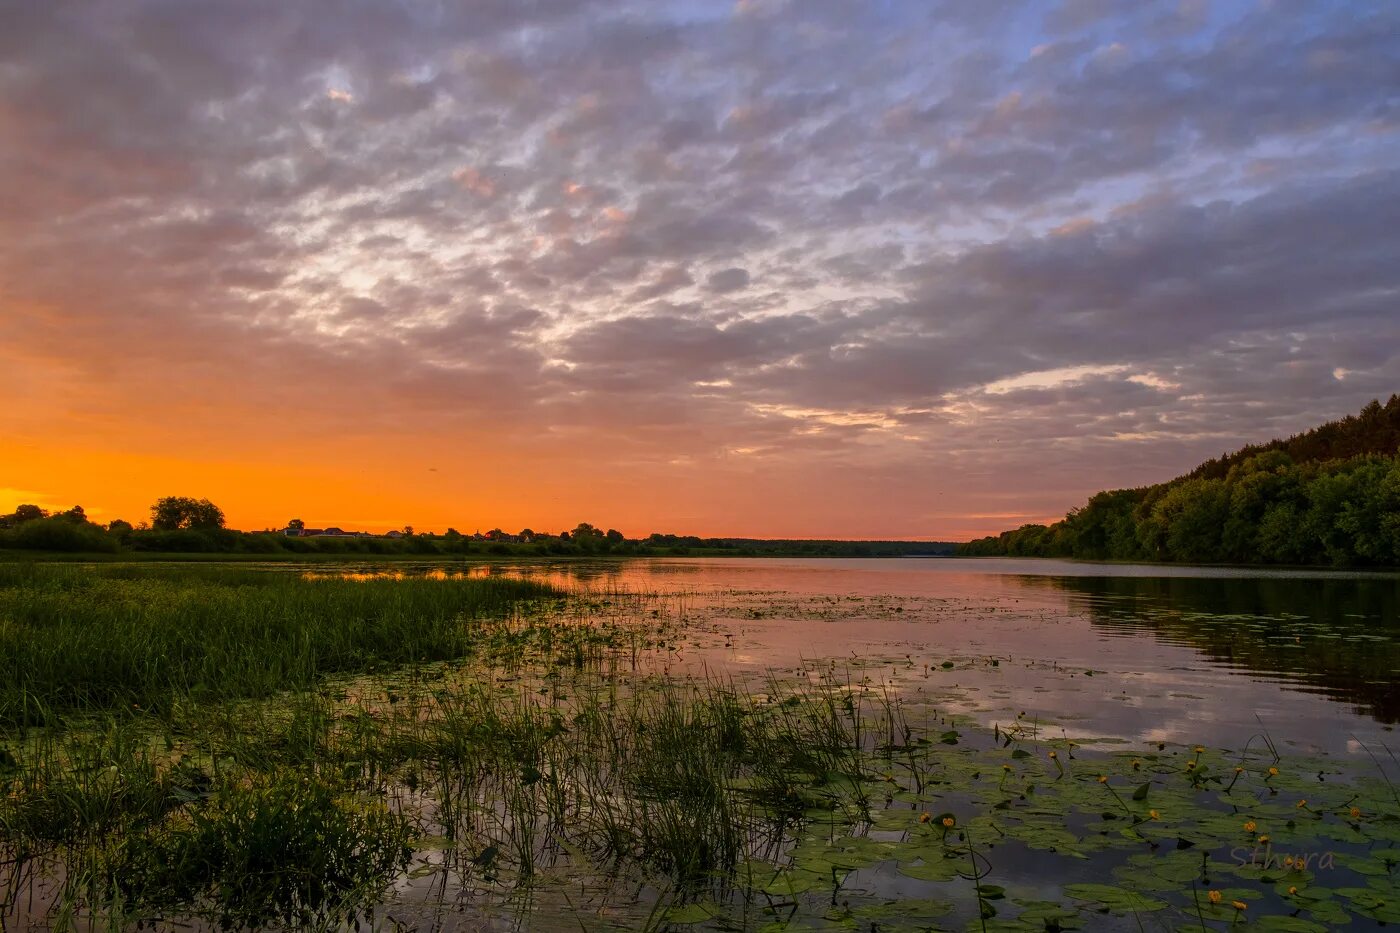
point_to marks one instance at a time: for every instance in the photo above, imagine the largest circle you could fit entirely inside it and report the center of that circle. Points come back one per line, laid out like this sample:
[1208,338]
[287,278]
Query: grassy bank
[76,639]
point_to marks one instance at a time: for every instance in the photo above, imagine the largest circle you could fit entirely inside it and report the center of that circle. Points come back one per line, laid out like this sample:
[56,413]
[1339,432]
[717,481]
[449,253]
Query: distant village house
[332,532]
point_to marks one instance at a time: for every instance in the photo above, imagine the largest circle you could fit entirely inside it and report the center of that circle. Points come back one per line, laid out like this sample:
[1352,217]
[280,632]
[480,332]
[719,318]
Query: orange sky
[378,496]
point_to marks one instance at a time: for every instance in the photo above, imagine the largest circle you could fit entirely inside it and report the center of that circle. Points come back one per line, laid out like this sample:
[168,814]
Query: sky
[789,269]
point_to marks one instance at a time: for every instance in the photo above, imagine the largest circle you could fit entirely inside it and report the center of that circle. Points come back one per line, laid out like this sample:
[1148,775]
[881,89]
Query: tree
[175,512]
[119,528]
[76,515]
[59,534]
[28,513]
[296,525]
[1313,499]
[614,536]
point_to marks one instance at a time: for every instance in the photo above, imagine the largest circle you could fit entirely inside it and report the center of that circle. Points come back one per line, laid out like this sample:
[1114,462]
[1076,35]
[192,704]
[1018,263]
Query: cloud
[727,280]
[838,239]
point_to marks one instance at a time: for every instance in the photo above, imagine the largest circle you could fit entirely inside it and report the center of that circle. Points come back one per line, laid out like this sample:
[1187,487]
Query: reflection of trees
[1253,624]
[640,572]
[569,574]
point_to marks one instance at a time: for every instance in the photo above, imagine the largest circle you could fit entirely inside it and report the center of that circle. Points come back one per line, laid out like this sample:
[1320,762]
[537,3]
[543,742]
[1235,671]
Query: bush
[59,534]
[183,540]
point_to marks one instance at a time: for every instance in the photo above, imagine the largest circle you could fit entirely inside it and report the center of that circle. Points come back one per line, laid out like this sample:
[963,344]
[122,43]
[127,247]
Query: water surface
[1142,653]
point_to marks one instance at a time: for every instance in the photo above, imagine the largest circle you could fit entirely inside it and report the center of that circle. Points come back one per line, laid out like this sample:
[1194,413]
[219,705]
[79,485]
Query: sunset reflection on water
[1139,653]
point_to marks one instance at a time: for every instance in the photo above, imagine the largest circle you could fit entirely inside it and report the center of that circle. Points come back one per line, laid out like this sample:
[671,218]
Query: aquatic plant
[75,639]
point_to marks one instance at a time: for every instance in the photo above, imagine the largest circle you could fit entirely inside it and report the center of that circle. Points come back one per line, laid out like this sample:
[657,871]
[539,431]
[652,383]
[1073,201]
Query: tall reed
[76,639]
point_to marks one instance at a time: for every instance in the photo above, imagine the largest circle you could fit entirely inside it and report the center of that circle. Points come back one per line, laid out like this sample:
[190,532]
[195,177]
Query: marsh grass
[290,848]
[231,811]
[76,639]
[132,833]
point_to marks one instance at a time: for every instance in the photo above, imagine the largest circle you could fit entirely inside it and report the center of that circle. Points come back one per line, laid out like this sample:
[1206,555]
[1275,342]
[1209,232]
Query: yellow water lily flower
[925,817]
[948,822]
[1263,840]
[1103,778]
[1301,804]
[1215,897]
[1292,889]
[1239,905]
[1249,826]
[1273,772]
[1356,813]
[1152,814]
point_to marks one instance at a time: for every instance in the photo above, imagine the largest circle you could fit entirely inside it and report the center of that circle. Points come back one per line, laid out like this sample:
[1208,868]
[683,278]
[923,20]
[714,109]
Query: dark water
[1179,654]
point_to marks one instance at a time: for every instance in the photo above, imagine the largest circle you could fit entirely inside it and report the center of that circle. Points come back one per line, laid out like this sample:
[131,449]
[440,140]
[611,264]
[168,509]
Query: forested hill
[1376,430]
[1327,496]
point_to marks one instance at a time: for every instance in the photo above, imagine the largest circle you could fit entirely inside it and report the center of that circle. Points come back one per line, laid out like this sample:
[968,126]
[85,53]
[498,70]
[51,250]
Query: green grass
[130,830]
[76,639]
[288,849]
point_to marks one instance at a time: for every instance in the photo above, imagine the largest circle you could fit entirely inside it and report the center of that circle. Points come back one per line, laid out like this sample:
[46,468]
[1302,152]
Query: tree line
[179,517]
[1329,496]
[180,524]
